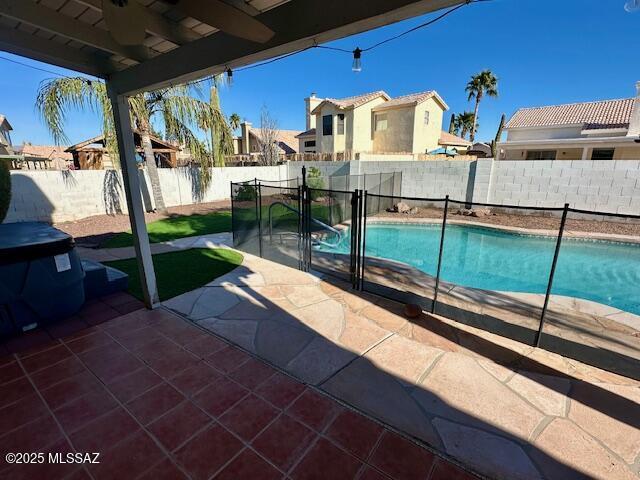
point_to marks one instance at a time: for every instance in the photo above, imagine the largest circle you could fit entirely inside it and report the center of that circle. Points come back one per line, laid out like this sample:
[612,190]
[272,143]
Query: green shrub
[314,180]
[5,189]
[246,193]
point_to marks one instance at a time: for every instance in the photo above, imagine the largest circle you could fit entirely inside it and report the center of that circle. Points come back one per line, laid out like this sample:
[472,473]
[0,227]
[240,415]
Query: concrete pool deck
[502,408]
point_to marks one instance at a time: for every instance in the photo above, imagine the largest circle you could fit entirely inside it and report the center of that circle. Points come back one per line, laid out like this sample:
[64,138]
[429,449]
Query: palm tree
[464,123]
[481,84]
[180,113]
[234,121]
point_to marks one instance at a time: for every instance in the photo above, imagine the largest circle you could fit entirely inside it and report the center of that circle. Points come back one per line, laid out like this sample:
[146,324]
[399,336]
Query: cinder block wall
[56,196]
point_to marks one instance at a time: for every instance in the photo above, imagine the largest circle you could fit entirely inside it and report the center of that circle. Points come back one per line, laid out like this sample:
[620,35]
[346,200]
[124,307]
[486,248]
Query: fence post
[259,214]
[300,229]
[364,239]
[444,226]
[552,273]
[354,231]
[304,176]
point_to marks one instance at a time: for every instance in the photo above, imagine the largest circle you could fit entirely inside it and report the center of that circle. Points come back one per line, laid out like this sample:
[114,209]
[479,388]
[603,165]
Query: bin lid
[24,241]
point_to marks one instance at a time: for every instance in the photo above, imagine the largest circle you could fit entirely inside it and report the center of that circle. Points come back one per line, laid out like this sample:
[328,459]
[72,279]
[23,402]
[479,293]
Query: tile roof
[286,139]
[308,133]
[596,115]
[448,139]
[44,151]
[355,101]
[412,98]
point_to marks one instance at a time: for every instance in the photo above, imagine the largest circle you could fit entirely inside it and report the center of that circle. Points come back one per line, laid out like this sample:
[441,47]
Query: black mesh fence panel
[244,217]
[594,308]
[280,224]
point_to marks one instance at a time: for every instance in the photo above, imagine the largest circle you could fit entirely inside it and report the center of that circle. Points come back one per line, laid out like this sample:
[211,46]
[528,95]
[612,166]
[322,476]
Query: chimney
[245,144]
[310,103]
[634,121]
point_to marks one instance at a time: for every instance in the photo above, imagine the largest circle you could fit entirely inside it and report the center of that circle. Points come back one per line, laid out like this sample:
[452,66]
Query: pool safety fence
[563,279]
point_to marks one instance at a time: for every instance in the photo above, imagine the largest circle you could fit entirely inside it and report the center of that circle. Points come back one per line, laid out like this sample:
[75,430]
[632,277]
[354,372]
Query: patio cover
[178,48]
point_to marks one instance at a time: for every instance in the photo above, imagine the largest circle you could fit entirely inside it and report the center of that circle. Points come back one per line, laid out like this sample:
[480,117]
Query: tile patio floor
[162,399]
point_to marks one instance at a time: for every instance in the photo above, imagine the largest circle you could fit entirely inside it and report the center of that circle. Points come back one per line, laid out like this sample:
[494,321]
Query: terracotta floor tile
[249,465]
[87,342]
[13,391]
[129,307]
[325,460]
[179,424]
[29,341]
[370,473]
[194,379]
[10,372]
[130,386]
[70,389]
[284,441]
[444,470]
[154,403]
[128,459]
[205,346]
[45,359]
[31,437]
[182,332]
[56,373]
[205,454]
[134,340]
[218,397]
[252,373]
[248,417]
[280,390]
[110,362]
[174,362]
[315,410]
[355,433]
[227,359]
[67,327]
[117,298]
[165,470]
[25,410]
[98,313]
[104,432]
[153,350]
[76,414]
[401,459]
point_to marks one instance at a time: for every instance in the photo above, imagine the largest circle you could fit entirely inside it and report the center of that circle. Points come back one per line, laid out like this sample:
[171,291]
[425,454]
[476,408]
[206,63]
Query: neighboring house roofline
[349,103]
[412,99]
[3,120]
[309,133]
[447,138]
[564,142]
[100,138]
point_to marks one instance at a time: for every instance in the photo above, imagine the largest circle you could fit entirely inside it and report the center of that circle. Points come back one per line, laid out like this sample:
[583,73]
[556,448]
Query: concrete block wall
[602,185]
[57,196]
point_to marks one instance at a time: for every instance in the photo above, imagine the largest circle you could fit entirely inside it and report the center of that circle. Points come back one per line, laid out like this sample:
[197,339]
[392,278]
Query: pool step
[101,280]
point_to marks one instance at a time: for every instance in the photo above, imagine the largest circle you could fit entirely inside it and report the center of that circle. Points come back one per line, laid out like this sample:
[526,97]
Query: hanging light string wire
[290,54]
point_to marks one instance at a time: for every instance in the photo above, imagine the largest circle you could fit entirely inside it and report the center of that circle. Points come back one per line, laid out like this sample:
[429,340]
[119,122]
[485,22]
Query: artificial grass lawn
[176,227]
[182,271]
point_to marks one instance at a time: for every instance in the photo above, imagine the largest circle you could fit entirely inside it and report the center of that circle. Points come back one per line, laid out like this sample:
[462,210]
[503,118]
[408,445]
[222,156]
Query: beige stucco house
[377,123]
[601,130]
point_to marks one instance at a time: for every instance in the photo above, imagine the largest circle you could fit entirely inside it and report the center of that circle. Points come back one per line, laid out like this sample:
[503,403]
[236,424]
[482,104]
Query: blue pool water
[604,272]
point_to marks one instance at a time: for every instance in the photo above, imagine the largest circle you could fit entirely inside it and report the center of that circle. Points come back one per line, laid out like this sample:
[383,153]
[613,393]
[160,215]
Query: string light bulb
[357,62]
[229,77]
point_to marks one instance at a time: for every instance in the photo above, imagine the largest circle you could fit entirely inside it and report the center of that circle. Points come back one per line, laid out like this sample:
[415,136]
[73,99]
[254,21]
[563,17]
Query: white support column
[585,153]
[126,148]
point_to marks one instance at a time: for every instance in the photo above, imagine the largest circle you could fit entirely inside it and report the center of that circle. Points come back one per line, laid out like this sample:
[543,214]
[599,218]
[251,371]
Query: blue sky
[543,52]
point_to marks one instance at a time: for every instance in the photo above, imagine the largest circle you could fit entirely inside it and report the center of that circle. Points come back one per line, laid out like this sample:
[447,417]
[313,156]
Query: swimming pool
[491,259]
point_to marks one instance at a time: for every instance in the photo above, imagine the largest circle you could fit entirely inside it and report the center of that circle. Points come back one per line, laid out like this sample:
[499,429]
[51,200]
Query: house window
[327,125]
[541,155]
[310,143]
[426,117]
[381,122]
[602,154]
[340,125]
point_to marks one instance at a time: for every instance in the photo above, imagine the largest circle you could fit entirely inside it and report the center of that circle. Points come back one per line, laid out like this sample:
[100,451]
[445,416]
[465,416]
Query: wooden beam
[156,24]
[298,24]
[129,165]
[48,19]
[37,48]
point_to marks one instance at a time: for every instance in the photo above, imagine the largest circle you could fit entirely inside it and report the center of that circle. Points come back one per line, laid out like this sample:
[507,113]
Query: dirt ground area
[536,222]
[92,231]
